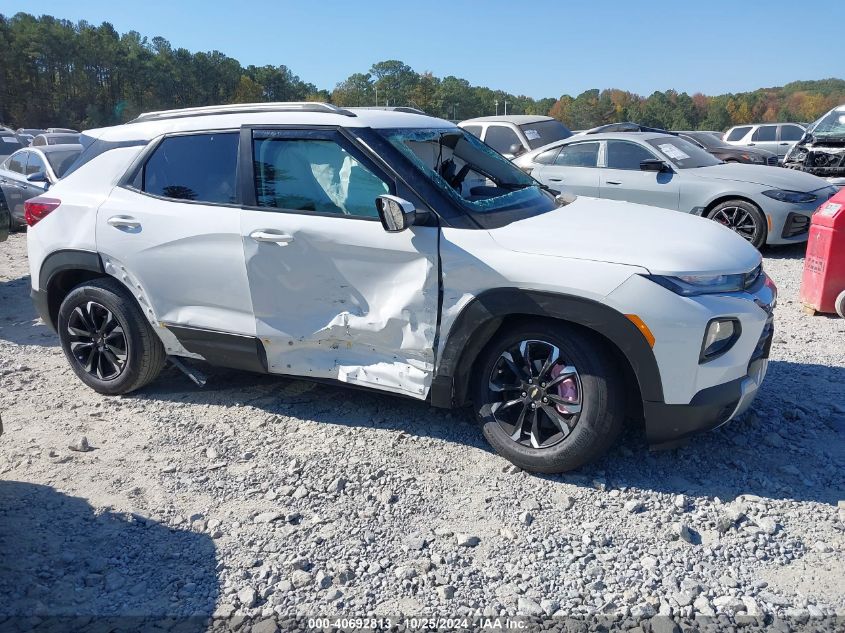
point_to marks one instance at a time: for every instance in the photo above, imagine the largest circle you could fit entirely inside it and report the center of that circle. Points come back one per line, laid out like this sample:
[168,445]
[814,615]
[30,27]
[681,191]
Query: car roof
[231,117]
[516,119]
[49,149]
[618,136]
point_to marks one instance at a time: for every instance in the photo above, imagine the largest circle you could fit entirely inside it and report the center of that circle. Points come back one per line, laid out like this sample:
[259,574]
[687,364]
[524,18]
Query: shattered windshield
[831,124]
[469,171]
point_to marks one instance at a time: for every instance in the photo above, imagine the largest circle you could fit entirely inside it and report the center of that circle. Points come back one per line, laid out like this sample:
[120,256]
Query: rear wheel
[839,305]
[743,218]
[548,396]
[106,338]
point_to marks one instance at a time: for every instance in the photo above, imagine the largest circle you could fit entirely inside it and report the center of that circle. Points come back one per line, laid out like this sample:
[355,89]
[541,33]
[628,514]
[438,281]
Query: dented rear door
[334,295]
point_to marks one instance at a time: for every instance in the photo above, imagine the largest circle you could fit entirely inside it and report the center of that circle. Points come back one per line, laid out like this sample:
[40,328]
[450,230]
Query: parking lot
[261,495]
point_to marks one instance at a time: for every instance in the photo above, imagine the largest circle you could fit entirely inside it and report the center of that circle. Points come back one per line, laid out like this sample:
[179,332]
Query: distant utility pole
[506,109]
[376,86]
[454,111]
[497,106]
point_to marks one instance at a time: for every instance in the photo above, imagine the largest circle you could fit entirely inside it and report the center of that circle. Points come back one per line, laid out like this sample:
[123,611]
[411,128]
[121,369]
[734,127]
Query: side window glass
[500,138]
[579,155]
[17,163]
[791,133]
[314,175]
[738,132]
[475,130]
[764,133]
[199,167]
[625,155]
[35,164]
[547,157]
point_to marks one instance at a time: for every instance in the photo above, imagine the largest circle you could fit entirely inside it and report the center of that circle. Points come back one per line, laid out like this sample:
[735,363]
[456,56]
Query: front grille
[796,224]
[772,161]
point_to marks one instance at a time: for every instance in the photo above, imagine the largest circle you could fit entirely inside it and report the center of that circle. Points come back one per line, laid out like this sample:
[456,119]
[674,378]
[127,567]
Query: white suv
[396,251]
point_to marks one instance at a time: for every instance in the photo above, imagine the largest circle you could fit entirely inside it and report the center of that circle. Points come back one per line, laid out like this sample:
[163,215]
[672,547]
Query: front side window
[470,172]
[579,155]
[500,138]
[314,175]
[737,133]
[197,167]
[625,155]
[547,157]
[765,133]
[791,133]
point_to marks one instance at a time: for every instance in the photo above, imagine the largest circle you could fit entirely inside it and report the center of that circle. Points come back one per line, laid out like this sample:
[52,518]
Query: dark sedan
[29,172]
[729,153]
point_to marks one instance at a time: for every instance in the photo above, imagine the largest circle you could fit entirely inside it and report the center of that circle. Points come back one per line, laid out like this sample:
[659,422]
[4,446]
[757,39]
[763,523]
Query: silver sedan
[765,205]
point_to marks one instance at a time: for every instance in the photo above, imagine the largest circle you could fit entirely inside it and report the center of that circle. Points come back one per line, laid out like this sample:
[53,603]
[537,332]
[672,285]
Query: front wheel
[548,396]
[106,338]
[743,218]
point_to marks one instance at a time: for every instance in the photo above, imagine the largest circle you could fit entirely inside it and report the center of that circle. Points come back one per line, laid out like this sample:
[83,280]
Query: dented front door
[334,295]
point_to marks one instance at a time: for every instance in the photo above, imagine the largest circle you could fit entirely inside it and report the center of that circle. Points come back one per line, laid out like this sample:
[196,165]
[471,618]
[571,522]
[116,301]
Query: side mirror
[653,164]
[516,149]
[395,213]
[38,176]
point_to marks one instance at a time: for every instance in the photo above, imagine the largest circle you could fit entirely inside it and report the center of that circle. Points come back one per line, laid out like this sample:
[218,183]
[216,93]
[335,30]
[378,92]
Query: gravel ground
[261,496]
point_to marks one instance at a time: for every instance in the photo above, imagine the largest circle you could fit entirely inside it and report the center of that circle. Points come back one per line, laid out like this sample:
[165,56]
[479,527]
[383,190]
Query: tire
[578,436]
[743,218]
[100,358]
[839,304]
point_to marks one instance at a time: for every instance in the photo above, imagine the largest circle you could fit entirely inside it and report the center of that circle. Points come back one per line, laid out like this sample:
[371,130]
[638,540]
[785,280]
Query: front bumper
[668,424]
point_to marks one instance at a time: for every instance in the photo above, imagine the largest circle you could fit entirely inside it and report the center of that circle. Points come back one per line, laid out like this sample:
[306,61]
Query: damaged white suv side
[395,251]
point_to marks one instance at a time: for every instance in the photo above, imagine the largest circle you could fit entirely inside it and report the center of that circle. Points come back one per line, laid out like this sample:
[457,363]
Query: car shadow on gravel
[19,322]
[792,251]
[778,450]
[78,568]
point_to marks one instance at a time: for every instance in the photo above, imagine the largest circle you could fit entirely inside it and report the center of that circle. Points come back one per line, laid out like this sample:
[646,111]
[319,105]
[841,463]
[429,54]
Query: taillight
[36,209]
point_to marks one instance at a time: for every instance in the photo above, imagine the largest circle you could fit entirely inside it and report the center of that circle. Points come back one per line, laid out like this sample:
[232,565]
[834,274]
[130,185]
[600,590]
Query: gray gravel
[263,496]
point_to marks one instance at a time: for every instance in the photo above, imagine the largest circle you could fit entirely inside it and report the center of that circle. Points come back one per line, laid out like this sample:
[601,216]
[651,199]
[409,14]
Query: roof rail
[407,109]
[238,108]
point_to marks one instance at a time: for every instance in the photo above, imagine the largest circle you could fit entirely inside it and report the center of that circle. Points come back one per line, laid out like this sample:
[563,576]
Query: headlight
[753,158]
[789,196]
[719,337]
[692,285]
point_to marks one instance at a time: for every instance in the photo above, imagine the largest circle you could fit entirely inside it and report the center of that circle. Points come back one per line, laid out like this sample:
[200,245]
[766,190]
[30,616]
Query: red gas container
[823,283]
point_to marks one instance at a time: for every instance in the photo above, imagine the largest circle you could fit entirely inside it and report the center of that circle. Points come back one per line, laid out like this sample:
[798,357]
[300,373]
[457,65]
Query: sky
[539,48]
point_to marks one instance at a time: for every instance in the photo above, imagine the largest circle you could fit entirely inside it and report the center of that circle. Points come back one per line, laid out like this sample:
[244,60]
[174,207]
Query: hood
[737,151]
[664,242]
[770,177]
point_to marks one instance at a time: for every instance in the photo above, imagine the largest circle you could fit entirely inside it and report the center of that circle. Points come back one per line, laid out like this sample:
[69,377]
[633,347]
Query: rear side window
[35,164]
[791,133]
[737,133]
[579,155]
[314,175]
[17,163]
[475,130]
[765,133]
[500,138]
[198,167]
[625,155]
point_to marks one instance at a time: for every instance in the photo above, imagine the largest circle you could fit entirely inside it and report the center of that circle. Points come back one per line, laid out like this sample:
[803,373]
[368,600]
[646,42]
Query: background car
[26,134]
[55,138]
[821,151]
[9,143]
[61,130]
[512,135]
[763,204]
[29,172]
[729,153]
[777,138]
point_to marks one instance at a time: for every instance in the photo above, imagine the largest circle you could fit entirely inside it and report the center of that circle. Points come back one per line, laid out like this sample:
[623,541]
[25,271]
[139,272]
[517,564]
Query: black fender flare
[481,317]
[52,267]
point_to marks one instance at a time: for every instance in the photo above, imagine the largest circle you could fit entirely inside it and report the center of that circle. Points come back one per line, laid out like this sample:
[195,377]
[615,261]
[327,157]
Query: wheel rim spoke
[548,405]
[97,341]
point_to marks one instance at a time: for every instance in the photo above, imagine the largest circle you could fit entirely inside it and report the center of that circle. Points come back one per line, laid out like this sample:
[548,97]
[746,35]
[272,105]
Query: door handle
[612,182]
[784,143]
[268,235]
[123,222]
[752,144]
[556,179]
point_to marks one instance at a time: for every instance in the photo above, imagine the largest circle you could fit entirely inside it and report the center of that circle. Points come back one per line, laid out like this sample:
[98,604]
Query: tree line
[54,72]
